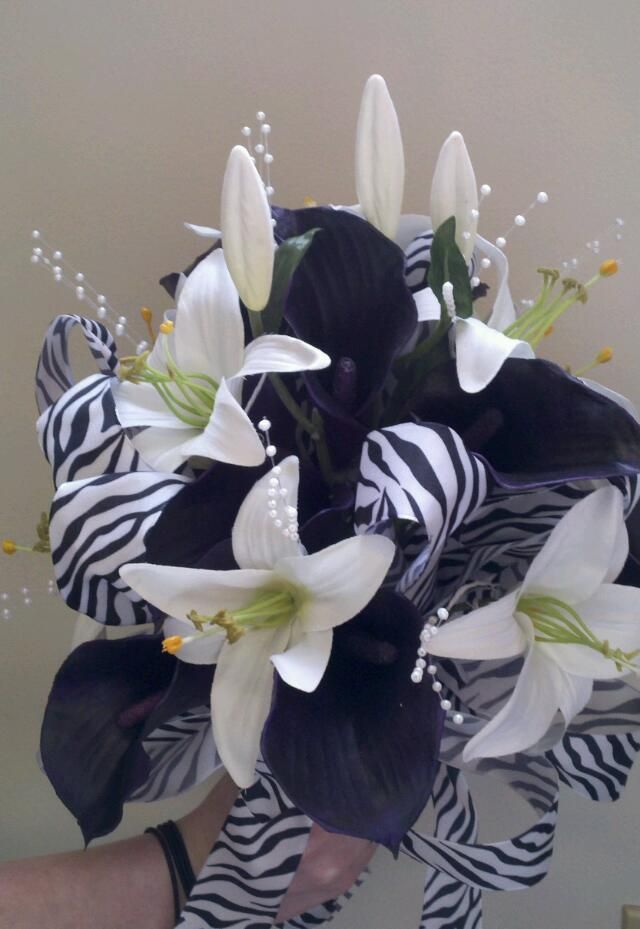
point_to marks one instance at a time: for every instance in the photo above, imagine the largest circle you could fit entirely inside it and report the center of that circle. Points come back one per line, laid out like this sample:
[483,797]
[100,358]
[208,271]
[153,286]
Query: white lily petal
[427,305]
[241,697]
[229,435]
[481,352]
[203,650]
[379,158]
[246,229]
[176,591]
[488,632]
[613,615]
[142,405]
[303,664]
[340,580]
[209,334]
[454,192]
[163,449]
[281,353]
[256,542]
[575,559]
[526,716]
[504,311]
[206,232]
[157,357]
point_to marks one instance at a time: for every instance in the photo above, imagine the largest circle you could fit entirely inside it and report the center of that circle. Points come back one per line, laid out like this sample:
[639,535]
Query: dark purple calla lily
[535,425]
[359,754]
[107,696]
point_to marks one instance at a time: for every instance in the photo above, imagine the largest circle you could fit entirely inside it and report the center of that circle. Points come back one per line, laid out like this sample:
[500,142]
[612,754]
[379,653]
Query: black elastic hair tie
[177,858]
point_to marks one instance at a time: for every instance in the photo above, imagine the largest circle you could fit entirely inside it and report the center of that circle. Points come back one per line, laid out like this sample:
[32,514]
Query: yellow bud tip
[309,201]
[548,330]
[609,267]
[604,355]
[166,327]
[173,644]
[146,314]
[9,547]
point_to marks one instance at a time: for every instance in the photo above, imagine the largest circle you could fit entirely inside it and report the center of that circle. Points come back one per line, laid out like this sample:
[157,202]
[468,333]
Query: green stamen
[270,609]
[557,623]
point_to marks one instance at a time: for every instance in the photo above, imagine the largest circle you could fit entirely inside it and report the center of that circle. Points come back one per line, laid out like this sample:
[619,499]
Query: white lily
[573,624]
[454,192]
[278,609]
[188,390]
[379,158]
[480,348]
[247,231]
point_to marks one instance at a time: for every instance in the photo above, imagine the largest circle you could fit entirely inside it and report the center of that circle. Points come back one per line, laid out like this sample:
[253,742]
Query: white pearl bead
[422,652]
[283,491]
[543,197]
[475,213]
[101,299]
[246,130]
[102,312]
[57,271]
[273,482]
[265,129]
[619,221]
[485,190]
[442,613]
[277,523]
[141,347]
[24,591]
[27,601]
[292,513]
[4,597]
[445,704]
[276,470]
[38,252]
[294,535]
[431,669]
[260,116]
[458,719]
[421,663]
[485,263]
[435,630]
[519,220]
[272,492]
[35,234]
[119,329]
[501,241]
[122,320]
[268,158]
[6,614]
[416,675]
[466,235]
[272,504]
[79,277]
[272,514]
[35,260]
[436,687]
[259,148]
[80,293]
[269,190]
[264,425]
[475,281]
[270,451]
[286,532]
[57,255]
[431,622]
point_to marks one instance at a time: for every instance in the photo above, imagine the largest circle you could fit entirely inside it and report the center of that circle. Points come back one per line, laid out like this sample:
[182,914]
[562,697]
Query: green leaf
[287,258]
[448,264]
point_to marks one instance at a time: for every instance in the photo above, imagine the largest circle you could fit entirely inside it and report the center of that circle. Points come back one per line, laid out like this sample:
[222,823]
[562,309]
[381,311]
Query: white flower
[188,392]
[480,348]
[573,624]
[247,231]
[278,609]
[454,192]
[379,158]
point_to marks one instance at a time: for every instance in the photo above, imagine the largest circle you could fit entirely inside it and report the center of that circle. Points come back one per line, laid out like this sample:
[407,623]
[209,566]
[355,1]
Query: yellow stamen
[172,644]
[309,201]
[604,355]
[608,267]
[166,327]
[548,331]
[147,316]
[9,547]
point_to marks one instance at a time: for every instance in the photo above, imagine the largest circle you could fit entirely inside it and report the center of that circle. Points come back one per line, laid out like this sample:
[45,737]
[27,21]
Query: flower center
[268,610]
[190,397]
[557,623]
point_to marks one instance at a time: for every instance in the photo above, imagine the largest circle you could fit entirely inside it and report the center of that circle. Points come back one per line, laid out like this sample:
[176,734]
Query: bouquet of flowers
[375,540]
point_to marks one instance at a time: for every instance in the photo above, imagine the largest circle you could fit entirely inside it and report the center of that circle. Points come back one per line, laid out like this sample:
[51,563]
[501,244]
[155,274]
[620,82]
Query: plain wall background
[116,121]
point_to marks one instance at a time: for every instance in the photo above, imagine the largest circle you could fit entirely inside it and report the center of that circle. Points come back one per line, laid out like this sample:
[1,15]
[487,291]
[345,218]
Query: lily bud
[454,192]
[379,158]
[247,232]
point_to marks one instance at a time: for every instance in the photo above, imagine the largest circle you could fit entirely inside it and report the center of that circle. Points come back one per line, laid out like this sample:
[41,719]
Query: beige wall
[117,117]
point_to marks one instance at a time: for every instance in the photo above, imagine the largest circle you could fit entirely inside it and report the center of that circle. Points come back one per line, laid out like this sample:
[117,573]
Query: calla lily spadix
[247,230]
[454,192]
[480,349]
[568,618]
[379,158]
[277,609]
[187,391]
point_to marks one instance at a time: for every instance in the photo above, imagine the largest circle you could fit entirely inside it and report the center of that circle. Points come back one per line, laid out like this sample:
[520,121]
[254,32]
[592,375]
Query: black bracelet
[177,858]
